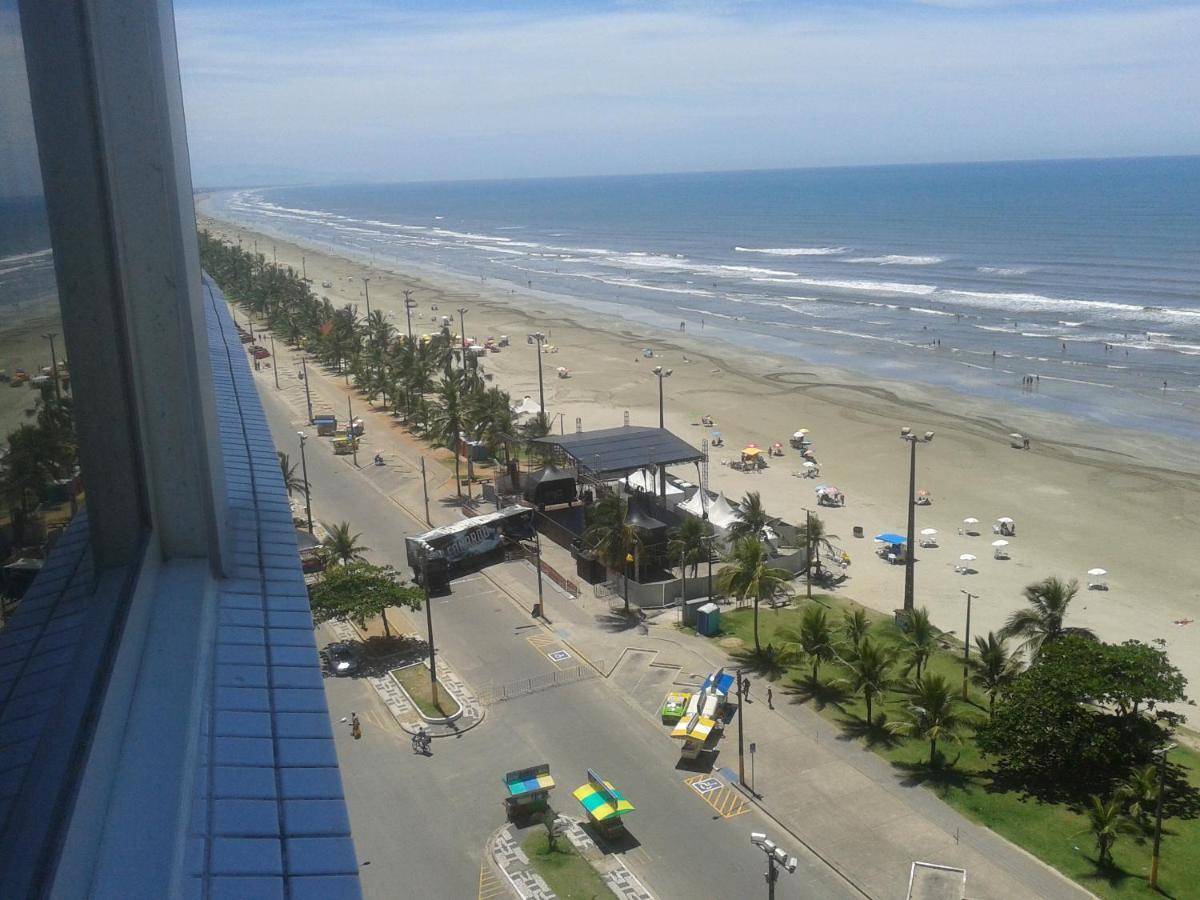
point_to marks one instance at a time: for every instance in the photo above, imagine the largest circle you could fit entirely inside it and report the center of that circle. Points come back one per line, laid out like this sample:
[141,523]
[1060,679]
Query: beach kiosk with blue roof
[528,791]
[892,547]
[604,805]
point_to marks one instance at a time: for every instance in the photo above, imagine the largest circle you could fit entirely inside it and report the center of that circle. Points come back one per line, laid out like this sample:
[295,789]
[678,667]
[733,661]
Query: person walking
[746,689]
[355,727]
[770,700]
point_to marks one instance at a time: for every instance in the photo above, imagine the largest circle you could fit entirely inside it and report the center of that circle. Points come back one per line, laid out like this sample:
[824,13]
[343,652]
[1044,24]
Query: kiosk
[604,805]
[528,791]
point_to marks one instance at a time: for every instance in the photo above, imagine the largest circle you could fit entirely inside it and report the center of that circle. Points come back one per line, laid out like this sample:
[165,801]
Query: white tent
[646,480]
[527,407]
[721,513]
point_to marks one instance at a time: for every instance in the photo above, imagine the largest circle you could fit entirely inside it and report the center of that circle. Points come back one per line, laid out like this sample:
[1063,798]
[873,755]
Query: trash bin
[858,531]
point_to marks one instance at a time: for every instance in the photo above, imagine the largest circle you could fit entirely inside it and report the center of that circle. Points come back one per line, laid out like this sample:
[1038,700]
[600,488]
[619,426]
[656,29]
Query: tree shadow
[874,734]
[618,621]
[942,776]
[1109,874]
[771,662]
[820,693]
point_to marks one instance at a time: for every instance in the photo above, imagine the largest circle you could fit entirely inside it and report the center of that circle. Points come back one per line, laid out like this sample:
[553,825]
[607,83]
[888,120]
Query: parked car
[343,658]
[246,338]
[259,352]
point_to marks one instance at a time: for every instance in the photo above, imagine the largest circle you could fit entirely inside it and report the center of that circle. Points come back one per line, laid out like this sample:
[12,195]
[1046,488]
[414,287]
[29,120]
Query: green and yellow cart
[604,805]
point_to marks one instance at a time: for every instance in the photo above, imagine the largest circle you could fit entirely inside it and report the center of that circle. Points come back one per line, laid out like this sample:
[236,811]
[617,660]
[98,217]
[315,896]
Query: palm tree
[1107,822]
[870,671]
[746,576]
[930,713]
[854,627]
[610,536]
[340,544]
[920,639]
[817,539]
[689,543]
[814,637]
[752,518]
[491,418]
[291,480]
[1049,600]
[449,421]
[1139,791]
[995,666]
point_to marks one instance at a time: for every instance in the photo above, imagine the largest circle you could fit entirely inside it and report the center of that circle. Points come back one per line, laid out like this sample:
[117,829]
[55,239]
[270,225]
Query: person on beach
[682,326]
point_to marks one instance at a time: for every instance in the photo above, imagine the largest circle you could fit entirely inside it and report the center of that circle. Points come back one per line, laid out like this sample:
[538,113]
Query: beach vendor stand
[693,730]
[719,684]
[326,425]
[604,805]
[528,791]
[675,706]
[343,445]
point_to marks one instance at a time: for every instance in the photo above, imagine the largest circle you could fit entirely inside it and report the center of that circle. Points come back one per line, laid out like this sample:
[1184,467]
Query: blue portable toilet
[708,620]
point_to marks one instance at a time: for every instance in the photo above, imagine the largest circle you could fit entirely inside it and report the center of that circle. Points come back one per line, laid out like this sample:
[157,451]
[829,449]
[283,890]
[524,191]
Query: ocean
[1081,278]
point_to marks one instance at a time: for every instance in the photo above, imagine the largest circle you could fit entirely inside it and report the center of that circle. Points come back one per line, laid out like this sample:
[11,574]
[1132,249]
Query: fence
[493,693]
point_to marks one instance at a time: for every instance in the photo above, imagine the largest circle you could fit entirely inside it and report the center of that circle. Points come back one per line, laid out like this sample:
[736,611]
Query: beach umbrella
[1001,543]
[970,520]
[922,493]
[751,450]
[1097,572]
[967,557]
[1004,520]
[810,465]
[801,433]
[777,445]
[928,532]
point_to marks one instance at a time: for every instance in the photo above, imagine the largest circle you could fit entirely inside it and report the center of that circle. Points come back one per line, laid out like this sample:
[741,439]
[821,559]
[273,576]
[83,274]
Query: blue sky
[389,91]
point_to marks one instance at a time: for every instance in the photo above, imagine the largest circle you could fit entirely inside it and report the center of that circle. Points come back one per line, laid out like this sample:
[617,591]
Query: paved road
[420,823]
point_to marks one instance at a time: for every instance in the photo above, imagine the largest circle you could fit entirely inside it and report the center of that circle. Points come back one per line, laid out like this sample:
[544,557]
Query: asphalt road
[420,824]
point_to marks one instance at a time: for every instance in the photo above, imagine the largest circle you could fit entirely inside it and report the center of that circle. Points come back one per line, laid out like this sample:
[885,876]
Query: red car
[246,338]
[260,352]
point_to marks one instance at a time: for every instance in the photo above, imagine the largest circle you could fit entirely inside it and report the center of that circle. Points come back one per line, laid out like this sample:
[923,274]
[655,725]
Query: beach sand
[22,346]
[1082,496]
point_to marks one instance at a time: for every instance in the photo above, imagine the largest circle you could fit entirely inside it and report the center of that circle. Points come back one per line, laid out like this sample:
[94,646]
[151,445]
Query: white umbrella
[928,532]
[1005,520]
[970,520]
[1097,572]
[810,465]
[967,557]
[801,433]
[999,543]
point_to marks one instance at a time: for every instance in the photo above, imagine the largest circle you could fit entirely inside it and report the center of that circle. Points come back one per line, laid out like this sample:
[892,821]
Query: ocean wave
[752,270]
[894,259]
[1004,270]
[880,287]
[925,310]
[794,251]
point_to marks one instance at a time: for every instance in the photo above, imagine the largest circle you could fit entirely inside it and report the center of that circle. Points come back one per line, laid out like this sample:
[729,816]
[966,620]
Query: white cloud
[377,95]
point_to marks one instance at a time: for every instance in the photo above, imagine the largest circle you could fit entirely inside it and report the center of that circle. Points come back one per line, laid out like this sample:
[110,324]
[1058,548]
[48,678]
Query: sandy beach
[22,346]
[1082,497]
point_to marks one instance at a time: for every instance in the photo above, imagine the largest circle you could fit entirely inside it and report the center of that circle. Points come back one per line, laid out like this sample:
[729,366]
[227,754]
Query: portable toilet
[708,620]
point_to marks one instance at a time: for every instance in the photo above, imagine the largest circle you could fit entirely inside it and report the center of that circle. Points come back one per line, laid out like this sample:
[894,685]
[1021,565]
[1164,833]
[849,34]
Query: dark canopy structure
[613,452]
[549,486]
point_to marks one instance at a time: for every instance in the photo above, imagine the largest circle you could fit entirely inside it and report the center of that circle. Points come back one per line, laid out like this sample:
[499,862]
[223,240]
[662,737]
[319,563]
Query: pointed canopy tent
[527,407]
[721,513]
[643,521]
[647,482]
[549,486]
[615,452]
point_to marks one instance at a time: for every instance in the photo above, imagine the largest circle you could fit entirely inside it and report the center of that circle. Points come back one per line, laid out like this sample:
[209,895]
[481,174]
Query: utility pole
[425,490]
[741,736]
[50,336]
[350,430]
[1161,753]
[967,641]
[537,542]
[462,327]
[304,471]
[408,305]
[307,393]
[906,434]
[808,551]
[274,362]
[303,269]
[662,470]
[539,337]
[433,682]
[366,280]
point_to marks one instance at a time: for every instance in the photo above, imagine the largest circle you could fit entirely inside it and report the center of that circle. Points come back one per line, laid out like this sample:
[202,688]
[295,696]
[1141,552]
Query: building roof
[619,451]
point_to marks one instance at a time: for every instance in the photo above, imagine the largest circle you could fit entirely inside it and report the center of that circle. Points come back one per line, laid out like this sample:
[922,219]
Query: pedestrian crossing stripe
[490,885]
[727,800]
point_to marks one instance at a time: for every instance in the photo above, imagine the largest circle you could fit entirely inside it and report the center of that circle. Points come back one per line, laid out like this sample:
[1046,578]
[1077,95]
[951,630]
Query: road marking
[559,655]
[490,884]
[542,640]
[724,798]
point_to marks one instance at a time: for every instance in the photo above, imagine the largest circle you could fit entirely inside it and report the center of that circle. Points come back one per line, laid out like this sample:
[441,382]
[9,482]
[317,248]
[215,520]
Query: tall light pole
[433,682]
[274,362]
[366,280]
[307,393]
[741,714]
[304,472]
[1161,753]
[50,336]
[303,269]
[906,434]
[808,551]
[967,641]
[662,470]
[539,337]
[776,857]
[462,329]
[408,308]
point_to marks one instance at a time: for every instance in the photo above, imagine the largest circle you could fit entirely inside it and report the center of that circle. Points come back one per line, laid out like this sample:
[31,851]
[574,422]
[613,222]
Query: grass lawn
[415,680]
[1055,833]
[569,875]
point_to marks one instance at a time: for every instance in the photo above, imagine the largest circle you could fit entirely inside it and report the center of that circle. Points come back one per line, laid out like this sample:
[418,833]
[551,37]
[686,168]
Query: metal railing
[496,693]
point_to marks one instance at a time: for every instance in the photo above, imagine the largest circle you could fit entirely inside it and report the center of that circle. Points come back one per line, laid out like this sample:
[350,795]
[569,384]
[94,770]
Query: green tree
[1042,622]
[449,421]
[689,543]
[920,639]
[291,478]
[341,545]
[752,517]
[360,591]
[994,666]
[747,575]
[814,637]
[610,536]
[930,713]
[817,539]
[870,672]
[1139,791]
[854,628]
[1107,822]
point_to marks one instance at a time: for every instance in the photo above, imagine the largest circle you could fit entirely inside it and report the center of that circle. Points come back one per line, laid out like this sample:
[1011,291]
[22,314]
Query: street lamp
[304,470]
[1161,753]
[462,329]
[408,308]
[906,434]
[307,393]
[967,640]
[776,857]
[366,280]
[662,470]
[539,337]
[50,336]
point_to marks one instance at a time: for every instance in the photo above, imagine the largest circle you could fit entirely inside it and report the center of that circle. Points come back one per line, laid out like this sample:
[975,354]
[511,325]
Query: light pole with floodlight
[462,328]
[662,470]
[539,338]
[408,308]
[967,640]
[50,336]
[366,280]
[304,471]
[906,434]
[777,858]
[1161,753]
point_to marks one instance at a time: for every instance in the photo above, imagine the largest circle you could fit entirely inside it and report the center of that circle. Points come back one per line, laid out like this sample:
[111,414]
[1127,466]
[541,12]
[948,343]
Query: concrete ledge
[432,720]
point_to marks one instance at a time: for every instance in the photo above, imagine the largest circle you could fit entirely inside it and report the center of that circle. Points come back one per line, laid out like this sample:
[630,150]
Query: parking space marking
[724,798]
[541,641]
[490,884]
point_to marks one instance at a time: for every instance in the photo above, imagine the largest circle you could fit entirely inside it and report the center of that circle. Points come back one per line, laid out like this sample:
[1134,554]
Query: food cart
[719,684]
[326,425]
[343,445]
[675,706]
[604,805]
[694,731]
[528,791]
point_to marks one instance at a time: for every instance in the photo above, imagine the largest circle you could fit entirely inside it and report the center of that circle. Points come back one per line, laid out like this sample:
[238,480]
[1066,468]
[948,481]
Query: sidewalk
[846,804]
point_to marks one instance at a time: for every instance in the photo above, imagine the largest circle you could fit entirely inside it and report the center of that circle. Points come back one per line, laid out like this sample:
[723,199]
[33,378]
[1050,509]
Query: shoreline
[1071,494]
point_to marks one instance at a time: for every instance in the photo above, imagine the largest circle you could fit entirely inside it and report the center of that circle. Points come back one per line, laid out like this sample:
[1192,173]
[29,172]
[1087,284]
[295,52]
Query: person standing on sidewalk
[770,701]
[355,727]
[746,688]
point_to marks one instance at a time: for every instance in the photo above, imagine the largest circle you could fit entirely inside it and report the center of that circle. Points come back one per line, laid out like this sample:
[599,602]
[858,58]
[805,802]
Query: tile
[299,700]
[296,676]
[239,698]
[321,856]
[303,725]
[249,783]
[270,888]
[315,817]
[324,887]
[246,856]
[235,675]
[307,752]
[234,723]
[246,817]
[244,751]
[311,784]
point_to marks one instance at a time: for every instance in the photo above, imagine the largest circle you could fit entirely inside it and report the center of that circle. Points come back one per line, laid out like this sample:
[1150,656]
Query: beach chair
[928,542]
